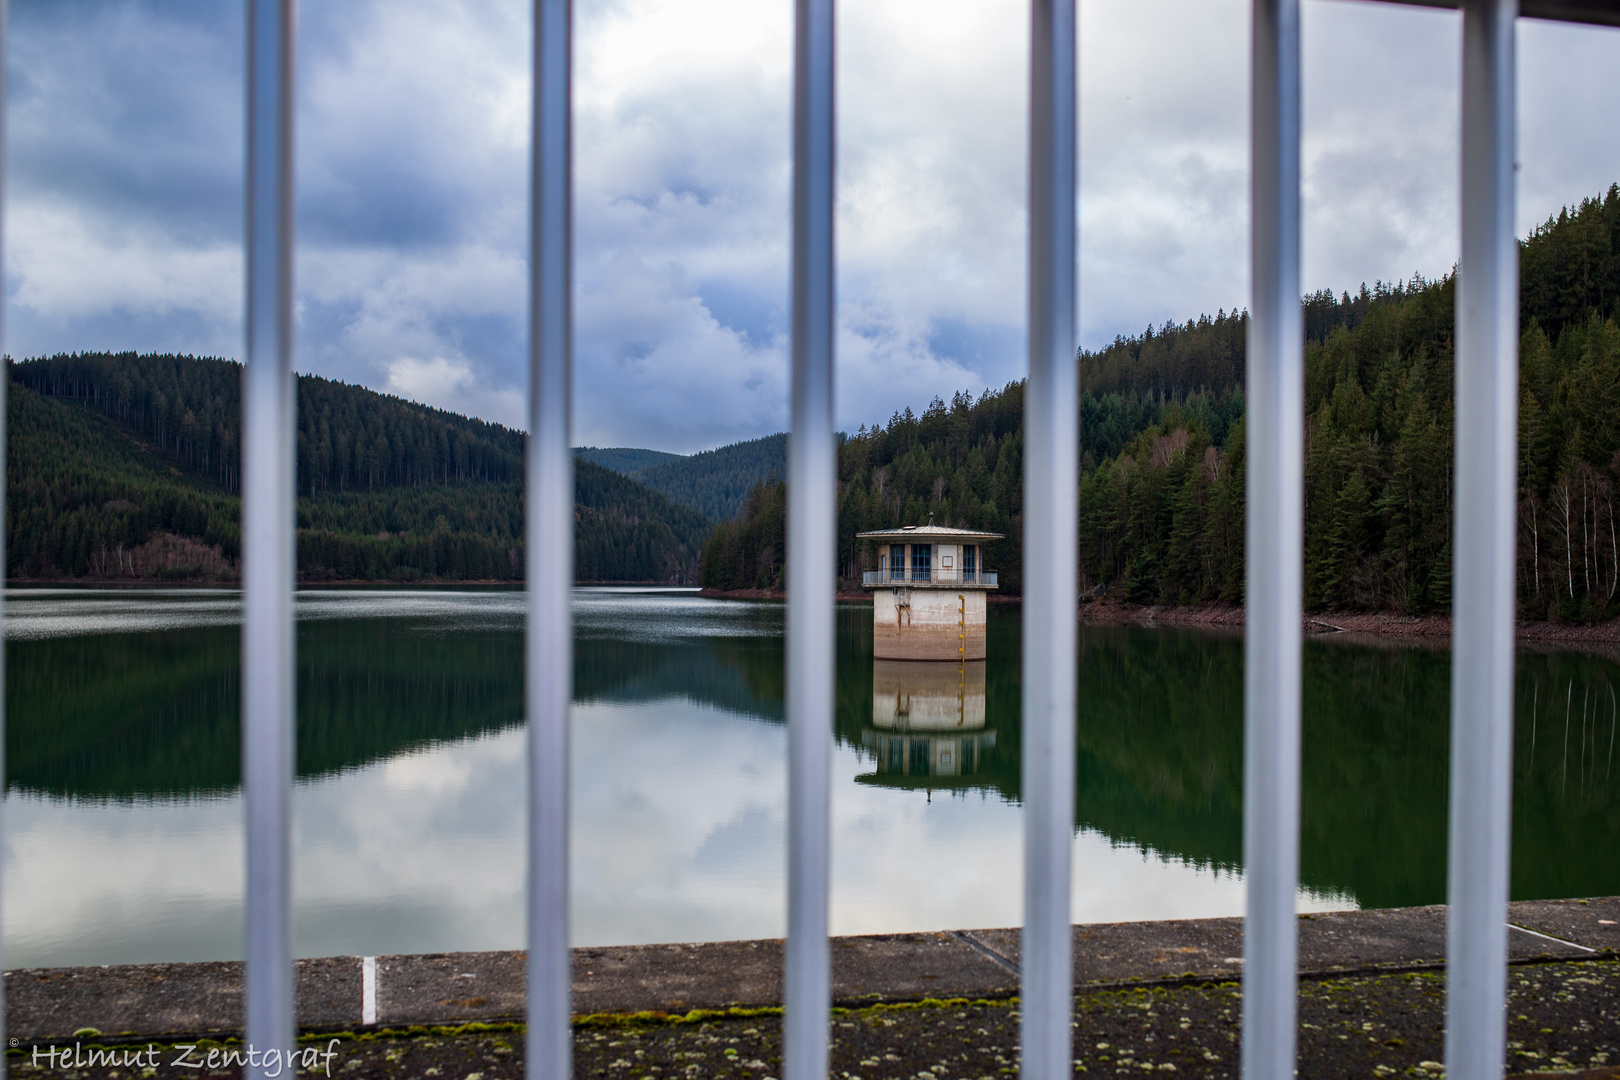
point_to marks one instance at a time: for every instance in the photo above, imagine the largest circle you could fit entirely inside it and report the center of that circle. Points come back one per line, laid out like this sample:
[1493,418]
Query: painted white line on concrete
[1549,937]
[368,989]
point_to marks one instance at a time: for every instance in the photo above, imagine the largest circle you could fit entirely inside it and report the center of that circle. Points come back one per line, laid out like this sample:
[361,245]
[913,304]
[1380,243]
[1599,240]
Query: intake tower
[928,593]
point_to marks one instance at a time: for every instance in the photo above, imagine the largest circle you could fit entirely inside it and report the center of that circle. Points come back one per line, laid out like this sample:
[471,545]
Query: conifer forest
[126,466]
[1162,452]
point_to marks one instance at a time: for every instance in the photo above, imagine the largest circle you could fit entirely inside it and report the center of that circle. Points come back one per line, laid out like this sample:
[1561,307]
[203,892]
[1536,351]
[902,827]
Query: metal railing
[1486,374]
[1274,529]
[935,576]
[268,549]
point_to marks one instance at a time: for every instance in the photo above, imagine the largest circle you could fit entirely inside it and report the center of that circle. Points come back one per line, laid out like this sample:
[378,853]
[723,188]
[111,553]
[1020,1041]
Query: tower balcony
[926,577]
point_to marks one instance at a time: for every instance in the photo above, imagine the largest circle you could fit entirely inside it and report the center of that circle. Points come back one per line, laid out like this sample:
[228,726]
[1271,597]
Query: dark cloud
[129,111]
[125,158]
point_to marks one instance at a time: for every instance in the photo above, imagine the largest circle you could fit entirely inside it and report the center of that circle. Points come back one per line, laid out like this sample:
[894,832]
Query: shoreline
[236,583]
[1433,629]
[1386,626]
[779,595]
[862,595]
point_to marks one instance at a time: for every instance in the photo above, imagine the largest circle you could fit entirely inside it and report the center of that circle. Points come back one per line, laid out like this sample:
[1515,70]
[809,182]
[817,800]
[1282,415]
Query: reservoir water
[123,817]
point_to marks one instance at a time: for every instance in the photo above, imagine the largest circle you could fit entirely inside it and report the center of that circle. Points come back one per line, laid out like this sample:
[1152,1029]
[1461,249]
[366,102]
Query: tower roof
[928,532]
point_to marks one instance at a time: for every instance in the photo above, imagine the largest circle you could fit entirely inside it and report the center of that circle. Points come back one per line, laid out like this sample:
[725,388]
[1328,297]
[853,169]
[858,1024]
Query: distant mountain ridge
[127,467]
[624,460]
[715,482]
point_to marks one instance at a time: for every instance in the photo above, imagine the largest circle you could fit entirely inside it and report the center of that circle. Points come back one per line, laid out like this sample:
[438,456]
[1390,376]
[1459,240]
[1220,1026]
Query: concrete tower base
[928,624]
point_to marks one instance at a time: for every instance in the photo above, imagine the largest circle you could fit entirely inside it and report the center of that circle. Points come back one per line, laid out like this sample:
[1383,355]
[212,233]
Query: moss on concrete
[1563,1017]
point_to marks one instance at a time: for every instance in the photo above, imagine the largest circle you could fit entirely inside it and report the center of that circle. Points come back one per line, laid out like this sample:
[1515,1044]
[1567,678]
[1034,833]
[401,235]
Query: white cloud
[1382,116]
[450,383]
[124,211]
[677,834]
[428,379]
[78,266]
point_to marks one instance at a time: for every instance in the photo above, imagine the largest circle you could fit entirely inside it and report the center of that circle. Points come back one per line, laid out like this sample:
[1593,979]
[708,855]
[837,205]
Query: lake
[123,817]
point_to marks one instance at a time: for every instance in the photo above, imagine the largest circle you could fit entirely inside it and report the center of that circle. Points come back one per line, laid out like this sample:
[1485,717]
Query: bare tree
[1563,498]
[1614,548]
[1528,513]
[1588,508]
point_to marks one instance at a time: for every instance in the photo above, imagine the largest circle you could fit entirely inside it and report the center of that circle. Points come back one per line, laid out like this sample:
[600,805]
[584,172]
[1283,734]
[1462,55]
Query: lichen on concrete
[1563,1017]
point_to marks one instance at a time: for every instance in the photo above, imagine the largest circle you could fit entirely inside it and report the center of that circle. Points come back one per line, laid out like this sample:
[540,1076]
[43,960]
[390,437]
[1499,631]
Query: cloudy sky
[124,222]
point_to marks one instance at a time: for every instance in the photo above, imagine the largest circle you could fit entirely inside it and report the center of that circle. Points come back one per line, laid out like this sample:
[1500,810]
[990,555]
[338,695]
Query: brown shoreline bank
[842,594]
[1433,629]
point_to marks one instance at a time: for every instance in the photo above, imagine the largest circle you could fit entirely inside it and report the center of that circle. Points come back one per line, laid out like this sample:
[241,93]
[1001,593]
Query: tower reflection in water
[928,723]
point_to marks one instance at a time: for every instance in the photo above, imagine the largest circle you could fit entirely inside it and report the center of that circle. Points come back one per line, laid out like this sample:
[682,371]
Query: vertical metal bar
[1483,578]
[5,377]
[812,552]
[268,408]
[1051,524]
[1274,551]
[549,644]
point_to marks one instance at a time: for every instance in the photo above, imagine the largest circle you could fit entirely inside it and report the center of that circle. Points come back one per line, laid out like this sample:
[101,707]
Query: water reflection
[928,720]
[123,814]
[134,696]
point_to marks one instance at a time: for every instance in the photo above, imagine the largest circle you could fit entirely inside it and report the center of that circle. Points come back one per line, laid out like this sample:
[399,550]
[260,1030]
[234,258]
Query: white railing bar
[812,551]
[1487,374]
[1051,545]
[268,408]
[549,550]
[5,377]
[1274,551]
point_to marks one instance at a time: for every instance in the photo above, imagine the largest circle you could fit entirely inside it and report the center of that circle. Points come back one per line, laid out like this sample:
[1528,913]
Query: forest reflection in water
[124,705]
[1160,758]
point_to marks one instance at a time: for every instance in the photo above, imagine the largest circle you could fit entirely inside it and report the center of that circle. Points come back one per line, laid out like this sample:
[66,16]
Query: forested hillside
[750,550]
[715,482]
[83,499]
[474,531]
[962,462]
[126,467]
[624,460]
[349,438]
[1162,447]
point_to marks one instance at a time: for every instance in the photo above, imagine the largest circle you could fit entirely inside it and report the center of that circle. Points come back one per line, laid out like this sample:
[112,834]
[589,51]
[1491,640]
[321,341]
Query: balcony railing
[1482,645]
[935,576]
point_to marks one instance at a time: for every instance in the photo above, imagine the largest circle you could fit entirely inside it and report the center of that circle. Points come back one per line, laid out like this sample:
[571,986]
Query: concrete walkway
[165,1000]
